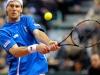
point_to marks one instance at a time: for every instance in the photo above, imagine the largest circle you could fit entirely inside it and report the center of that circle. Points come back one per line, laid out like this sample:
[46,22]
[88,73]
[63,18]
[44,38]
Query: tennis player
[25,42]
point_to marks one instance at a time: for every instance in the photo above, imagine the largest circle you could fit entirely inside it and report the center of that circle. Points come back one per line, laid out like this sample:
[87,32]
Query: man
[95,65]
[24,42]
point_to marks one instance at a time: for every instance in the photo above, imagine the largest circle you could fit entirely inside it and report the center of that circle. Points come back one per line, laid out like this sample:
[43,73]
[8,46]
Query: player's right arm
[22,51]
[8,44]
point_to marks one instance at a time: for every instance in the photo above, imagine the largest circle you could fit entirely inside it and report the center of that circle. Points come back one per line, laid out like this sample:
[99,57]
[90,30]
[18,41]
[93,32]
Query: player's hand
[53,45]
[42,48]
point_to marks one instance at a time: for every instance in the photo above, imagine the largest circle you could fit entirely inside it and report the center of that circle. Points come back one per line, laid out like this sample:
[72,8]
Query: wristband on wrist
[32,48]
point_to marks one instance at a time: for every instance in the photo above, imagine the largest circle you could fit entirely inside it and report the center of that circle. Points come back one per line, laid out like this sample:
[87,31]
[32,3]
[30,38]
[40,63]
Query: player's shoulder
[4,28]
[3,31]
[26,17]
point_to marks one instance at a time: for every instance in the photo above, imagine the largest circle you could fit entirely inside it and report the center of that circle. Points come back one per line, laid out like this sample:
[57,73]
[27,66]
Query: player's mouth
[13,13]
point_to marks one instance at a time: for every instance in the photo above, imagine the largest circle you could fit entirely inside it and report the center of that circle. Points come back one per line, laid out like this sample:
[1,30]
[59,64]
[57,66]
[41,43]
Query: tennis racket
[82,34]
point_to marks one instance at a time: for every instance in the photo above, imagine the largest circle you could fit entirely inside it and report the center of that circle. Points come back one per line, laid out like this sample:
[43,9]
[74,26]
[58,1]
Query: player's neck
[12,20]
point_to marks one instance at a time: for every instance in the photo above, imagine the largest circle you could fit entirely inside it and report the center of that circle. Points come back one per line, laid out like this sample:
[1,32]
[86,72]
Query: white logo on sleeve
[15,36]
[6,43]
[36,25]
[26,29]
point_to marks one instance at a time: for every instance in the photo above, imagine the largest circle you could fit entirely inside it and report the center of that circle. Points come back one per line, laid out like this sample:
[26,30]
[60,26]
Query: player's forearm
[41,36]
[22,51]
[18,51]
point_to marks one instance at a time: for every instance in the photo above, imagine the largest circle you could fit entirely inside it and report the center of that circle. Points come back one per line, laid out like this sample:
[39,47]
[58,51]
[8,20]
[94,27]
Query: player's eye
[11,5]
[17,6]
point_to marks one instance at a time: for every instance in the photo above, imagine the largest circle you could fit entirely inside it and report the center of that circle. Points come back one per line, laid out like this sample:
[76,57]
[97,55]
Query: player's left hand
[53,45]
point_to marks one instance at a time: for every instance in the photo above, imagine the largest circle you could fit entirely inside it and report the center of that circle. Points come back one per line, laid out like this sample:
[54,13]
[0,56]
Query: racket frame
[70,34]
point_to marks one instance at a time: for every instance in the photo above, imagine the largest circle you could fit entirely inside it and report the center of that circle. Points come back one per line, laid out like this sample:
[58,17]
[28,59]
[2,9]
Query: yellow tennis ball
[48,16]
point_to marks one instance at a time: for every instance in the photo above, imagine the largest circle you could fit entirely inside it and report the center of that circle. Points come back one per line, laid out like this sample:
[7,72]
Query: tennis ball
[48,16]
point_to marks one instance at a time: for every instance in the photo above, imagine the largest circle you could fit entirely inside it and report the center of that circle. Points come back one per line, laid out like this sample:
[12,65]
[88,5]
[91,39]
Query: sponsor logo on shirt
[15,36]
[36,25]
[6,43]
[26,29]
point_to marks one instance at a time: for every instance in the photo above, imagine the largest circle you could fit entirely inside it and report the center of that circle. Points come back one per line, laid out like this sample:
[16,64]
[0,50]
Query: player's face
[95,61]
[14,9]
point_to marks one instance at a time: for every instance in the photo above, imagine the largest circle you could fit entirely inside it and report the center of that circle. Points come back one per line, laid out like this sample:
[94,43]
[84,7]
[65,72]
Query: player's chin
[14,16]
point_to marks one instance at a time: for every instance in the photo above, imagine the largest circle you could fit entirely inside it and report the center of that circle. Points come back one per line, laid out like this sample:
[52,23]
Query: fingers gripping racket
[82,34]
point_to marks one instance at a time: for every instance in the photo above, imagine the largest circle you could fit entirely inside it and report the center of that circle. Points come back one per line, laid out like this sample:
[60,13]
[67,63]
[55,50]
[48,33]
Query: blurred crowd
[65,59]
[38,8]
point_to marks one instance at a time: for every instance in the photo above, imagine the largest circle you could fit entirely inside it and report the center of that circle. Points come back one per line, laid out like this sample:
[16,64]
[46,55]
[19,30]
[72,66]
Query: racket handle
[59,44]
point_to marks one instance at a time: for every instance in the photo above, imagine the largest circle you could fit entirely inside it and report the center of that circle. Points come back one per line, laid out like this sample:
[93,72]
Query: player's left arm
[42,37]
[39,34]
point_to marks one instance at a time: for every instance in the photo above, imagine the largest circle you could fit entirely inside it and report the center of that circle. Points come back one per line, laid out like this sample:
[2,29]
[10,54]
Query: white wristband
[32,48]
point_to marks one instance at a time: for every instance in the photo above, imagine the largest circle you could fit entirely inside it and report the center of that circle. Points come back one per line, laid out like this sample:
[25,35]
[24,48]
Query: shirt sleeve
[32,25]
[6,42]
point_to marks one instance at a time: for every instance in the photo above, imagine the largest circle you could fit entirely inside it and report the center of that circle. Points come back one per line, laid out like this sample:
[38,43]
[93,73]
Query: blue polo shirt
[20,33]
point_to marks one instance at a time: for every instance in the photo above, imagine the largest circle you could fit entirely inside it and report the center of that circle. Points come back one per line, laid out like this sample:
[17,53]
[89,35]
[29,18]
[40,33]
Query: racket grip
[59,44]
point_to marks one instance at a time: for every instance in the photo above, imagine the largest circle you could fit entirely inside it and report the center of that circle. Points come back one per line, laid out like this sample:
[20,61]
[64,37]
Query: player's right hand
[42,48]
[53,45]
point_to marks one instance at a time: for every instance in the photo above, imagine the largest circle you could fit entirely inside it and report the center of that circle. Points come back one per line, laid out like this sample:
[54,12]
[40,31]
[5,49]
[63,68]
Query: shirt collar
[7,20]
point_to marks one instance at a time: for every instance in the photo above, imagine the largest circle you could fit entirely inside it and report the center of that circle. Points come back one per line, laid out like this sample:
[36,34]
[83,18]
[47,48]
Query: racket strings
[62,42]
[88,32]
[83,34]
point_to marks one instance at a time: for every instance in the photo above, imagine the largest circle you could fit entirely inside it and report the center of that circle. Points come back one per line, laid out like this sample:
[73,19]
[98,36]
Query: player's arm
[22,51]
[42,37]
[18,51]
[34,28]
[10,45]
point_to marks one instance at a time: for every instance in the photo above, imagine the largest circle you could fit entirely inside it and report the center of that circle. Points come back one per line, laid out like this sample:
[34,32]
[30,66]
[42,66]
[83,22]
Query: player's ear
[21,10]
[6,11]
